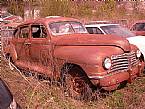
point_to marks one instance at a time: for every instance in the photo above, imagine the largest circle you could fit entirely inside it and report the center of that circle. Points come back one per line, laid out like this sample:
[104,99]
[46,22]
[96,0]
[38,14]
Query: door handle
[27,43]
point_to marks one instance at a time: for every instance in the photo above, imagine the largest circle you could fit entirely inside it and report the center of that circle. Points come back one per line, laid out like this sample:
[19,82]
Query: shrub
[54,8]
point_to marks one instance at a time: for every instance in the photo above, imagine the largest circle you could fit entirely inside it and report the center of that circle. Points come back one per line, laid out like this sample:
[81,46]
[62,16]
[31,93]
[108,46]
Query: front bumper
[111,81]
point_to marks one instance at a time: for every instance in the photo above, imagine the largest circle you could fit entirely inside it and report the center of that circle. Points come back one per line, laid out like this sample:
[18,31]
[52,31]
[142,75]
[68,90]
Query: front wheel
[76,84]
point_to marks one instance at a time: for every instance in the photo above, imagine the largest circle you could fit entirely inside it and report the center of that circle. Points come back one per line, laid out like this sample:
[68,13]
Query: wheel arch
[67,66]
[11,51]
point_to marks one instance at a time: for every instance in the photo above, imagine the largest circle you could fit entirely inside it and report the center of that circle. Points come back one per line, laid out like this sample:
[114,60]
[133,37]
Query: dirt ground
[33,94]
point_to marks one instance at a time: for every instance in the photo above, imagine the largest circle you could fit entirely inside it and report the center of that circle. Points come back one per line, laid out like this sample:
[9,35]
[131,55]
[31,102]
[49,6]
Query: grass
[33,94]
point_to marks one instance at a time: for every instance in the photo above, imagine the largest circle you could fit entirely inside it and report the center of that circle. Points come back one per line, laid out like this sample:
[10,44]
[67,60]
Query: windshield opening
[117,30]
[66,27]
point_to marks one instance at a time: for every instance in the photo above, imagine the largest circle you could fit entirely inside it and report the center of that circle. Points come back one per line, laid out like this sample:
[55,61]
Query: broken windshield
[66,27]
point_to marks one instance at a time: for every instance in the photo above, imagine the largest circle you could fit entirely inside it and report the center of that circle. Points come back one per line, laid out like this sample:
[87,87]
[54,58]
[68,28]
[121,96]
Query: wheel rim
[74,86]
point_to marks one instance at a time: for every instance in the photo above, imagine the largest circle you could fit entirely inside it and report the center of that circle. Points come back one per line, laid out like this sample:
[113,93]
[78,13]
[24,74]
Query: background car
[118,30]
[139,28]
[6,33]
[6,98]
[9,18]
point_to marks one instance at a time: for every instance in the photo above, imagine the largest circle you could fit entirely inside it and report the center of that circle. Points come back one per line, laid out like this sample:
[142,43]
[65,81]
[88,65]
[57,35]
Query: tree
[16,7]
[3,2]
[54,8]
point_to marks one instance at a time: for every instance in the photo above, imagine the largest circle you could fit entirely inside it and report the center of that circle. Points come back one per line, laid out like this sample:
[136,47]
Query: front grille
[123,61]
[119,62]
[133,60]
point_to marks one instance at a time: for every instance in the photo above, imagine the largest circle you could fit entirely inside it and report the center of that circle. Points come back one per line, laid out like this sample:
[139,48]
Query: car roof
[97,22]
[49,19]
[99,25]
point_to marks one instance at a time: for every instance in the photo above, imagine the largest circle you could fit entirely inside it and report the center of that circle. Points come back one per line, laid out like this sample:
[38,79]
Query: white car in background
[118,30]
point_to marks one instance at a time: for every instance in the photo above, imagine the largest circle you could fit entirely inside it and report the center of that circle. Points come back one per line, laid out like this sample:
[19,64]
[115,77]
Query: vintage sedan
[6,99]
[60,49]
[139,28]
[118,30]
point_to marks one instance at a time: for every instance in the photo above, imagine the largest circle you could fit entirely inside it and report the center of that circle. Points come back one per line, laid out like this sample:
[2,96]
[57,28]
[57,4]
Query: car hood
[139,41]
[91,40]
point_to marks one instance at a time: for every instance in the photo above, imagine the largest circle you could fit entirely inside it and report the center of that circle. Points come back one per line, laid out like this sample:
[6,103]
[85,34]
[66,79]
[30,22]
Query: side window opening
[38,31]
[94,30]
[16,33]
[90,30]
[24,32]
[98,31]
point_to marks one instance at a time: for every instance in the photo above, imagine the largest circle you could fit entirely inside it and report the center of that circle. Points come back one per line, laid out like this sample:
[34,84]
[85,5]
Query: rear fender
[12,51]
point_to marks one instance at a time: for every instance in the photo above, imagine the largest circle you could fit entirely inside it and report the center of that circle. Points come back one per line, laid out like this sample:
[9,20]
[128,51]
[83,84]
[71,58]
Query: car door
[40,45]
[21,42]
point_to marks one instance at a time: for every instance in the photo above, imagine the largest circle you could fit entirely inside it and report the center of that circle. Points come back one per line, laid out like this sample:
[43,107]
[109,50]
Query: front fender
[90,58]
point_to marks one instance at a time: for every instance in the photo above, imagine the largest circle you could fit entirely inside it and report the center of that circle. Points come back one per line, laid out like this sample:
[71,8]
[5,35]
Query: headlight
[138,53]
[107,63]
[13,105]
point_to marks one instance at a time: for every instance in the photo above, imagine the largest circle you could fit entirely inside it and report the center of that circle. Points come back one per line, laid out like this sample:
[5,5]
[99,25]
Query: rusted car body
[63,45]
[139,28]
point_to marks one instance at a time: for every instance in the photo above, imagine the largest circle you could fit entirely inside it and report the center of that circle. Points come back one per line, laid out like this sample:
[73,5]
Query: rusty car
[138,28]
[61,49]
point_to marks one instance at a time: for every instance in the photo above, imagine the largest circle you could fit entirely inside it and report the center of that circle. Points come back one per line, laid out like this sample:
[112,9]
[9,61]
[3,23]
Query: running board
[34,67]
